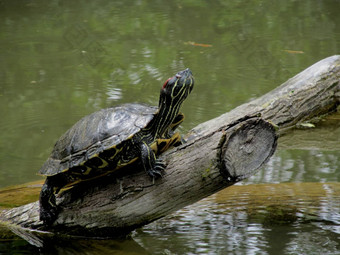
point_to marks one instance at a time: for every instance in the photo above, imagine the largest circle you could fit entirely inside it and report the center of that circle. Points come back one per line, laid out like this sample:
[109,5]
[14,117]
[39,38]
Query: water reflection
[114,94]
[255,219]
[73,247]
[300,166]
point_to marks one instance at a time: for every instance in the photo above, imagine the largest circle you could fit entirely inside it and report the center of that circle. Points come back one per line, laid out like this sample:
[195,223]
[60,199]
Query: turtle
[112,138]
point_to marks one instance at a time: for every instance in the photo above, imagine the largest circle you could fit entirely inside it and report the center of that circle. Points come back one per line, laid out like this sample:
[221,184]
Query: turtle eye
[166,83]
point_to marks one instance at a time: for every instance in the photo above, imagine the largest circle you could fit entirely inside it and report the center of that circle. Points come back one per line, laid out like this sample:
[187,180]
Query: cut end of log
[246,149]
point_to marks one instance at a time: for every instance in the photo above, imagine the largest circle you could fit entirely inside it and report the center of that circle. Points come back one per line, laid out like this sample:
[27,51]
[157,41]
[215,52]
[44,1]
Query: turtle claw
[155,174]
[158,169]
[159,164]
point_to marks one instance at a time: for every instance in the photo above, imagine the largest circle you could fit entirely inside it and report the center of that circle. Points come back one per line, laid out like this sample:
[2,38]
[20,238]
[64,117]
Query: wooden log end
[246,149]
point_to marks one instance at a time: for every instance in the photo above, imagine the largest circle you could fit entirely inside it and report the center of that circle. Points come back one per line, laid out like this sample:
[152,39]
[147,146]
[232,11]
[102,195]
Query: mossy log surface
[219,153]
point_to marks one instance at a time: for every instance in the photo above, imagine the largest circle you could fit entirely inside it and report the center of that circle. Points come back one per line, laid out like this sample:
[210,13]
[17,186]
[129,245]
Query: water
[61,60]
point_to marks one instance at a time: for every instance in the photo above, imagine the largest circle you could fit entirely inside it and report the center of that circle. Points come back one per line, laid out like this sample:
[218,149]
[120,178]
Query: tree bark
[219,153]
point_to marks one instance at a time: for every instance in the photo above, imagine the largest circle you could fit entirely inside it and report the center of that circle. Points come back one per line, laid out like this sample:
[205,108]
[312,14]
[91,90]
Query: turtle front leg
[47,202]
[152,165]
[162,145]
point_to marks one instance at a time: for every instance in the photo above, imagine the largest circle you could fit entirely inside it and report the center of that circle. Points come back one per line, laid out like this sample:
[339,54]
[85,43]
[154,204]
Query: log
[219,153]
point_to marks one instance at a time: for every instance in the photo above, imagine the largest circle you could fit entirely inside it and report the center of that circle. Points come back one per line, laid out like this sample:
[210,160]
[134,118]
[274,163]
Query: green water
[61,60]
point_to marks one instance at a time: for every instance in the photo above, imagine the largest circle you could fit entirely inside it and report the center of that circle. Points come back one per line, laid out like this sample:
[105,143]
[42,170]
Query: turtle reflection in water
[111,138]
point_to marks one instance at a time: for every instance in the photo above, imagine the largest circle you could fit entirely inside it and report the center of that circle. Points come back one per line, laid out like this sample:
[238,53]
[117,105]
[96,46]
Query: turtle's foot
[48,215]
[48,208]
[158,169]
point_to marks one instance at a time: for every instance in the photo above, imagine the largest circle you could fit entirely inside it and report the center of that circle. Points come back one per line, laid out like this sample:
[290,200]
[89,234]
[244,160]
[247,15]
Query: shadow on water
[12,244]
[73,246]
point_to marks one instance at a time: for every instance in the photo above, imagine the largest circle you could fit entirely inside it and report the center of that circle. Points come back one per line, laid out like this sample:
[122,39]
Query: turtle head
[176,89]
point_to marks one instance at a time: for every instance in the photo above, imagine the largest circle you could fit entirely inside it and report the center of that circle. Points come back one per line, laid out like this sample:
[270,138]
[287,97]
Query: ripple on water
[262,221]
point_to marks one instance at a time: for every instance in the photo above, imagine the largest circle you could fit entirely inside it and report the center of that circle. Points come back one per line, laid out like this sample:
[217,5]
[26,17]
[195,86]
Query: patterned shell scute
[95,133]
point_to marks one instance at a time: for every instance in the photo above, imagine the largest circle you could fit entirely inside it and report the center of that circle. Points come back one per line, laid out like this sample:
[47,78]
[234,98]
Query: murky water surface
[61,60]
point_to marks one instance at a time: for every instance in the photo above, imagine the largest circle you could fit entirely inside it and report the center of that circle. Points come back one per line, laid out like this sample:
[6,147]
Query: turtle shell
[96,133]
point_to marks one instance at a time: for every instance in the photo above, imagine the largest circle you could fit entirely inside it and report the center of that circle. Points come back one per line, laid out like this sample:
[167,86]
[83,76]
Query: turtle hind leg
[47,201]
